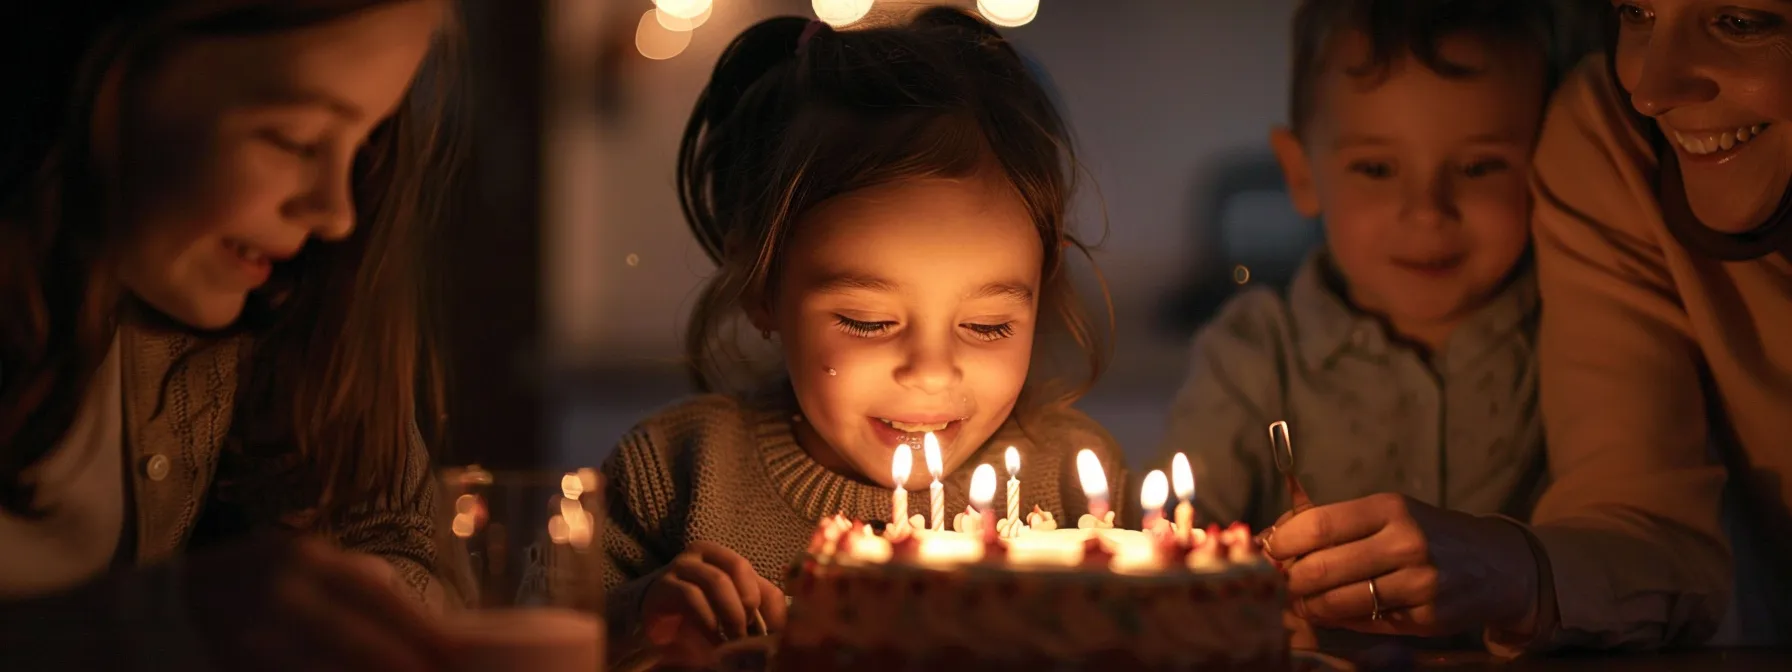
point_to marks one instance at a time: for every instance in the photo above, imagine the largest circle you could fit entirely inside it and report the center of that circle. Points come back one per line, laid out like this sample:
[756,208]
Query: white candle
[900,465]
[1152,495]
[1013,459]
[930,451]
[1095,482]
[983,494]
[1184,480]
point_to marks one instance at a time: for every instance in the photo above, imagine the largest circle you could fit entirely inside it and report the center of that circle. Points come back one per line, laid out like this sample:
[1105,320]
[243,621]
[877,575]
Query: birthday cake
[1037,597]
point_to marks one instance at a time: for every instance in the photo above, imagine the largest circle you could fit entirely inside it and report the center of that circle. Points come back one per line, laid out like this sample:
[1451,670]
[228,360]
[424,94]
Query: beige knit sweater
[729,471]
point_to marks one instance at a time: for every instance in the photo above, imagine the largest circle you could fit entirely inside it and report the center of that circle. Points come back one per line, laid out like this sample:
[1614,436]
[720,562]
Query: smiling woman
[210,284]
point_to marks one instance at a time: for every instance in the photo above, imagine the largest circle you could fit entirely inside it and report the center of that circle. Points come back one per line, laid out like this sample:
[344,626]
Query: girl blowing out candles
[887,207]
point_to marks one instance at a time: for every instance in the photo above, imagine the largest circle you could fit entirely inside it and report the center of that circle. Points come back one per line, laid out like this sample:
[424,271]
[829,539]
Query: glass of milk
[519,560]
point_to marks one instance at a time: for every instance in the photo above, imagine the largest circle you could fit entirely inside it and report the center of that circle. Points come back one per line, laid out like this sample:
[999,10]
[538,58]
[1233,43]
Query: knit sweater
[729,471]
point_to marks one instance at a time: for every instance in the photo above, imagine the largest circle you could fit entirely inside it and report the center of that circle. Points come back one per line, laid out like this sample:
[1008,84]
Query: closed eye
[1744,25]
[303,150]
[990,332]
[862,328]
[1374,170]
[1484,168]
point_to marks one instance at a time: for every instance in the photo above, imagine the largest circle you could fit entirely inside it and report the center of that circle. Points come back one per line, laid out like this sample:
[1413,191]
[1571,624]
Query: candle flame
[1012,457]
[1155,490]
[983,487]
[1183,477]
[1088,470]
[571,486]
[930,449]
[900,465]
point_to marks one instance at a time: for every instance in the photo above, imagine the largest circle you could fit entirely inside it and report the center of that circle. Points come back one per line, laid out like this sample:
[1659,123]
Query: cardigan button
[155,467]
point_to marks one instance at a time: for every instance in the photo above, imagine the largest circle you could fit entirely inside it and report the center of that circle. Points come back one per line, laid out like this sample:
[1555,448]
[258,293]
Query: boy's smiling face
[1421,178]
[921,296]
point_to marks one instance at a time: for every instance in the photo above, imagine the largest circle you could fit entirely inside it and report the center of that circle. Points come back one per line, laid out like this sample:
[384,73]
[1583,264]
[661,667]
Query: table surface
[1704,660]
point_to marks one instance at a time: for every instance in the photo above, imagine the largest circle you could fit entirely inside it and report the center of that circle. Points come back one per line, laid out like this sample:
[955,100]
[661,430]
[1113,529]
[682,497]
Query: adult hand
[302,604]
[1435,571]
[706,595]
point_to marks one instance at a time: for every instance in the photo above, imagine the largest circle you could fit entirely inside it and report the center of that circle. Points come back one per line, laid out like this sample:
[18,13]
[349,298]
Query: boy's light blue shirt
[1367,414]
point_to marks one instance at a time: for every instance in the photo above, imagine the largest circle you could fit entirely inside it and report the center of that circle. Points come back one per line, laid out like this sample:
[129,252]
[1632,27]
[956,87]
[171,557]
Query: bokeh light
[1008,13]
[656,42]
[683,9]
[677,24]
[840,13]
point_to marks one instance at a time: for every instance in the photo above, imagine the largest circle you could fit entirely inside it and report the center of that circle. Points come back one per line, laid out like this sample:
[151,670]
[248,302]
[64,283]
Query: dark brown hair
[796,114]
[342,363]
[1400,29]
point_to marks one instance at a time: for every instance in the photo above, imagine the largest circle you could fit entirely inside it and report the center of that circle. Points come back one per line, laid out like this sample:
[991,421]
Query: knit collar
[815,491]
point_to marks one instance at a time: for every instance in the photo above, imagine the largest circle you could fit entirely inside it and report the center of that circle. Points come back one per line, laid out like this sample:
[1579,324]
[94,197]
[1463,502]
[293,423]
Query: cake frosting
[1033,597]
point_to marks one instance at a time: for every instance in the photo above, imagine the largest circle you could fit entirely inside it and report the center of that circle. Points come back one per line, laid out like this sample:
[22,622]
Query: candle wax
[938,493]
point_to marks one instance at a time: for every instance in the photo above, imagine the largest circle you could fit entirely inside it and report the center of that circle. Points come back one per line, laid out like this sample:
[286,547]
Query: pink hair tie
[809,31]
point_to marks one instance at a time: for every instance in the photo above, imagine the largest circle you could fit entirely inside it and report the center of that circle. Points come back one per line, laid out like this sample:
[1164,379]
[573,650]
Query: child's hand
[706,595]
[1300,632]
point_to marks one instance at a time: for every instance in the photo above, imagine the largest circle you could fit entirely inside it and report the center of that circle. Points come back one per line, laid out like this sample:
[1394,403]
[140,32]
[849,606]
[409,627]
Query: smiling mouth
[917,427]
[1431,265]
[246,253]
[1708,143]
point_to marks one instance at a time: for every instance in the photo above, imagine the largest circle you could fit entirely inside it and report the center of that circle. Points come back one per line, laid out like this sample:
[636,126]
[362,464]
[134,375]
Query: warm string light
[680,24]
[683,9]
[840,13]
[1008,13]
[655,41]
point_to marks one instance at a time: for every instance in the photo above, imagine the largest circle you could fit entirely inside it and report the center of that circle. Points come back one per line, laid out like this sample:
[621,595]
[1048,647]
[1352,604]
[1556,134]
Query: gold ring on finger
[1375,613]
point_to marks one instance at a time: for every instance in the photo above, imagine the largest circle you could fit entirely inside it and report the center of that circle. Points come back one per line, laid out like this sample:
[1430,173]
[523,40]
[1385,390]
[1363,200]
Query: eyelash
[1376,170]
[1484,167]
[1746,26]
[863,329]
[1733,25]
[285,144]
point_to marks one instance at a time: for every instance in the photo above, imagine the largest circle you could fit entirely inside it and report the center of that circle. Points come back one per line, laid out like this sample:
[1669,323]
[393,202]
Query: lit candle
[1152,495]
[1013,460]
[930,450]
[1095,482]
[983,494]
[1184,480]
[899,468]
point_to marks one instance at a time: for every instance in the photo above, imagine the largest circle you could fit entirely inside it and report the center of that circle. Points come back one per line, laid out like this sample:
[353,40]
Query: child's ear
[759,312]
[1296,170]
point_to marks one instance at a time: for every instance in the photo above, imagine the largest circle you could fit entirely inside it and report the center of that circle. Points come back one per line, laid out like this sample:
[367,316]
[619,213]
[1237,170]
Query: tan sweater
[729,471]
[1658,365]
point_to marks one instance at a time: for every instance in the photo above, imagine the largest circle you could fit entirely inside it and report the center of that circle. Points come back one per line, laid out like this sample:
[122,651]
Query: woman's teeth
[245,252]
[1712,144]
[915,427]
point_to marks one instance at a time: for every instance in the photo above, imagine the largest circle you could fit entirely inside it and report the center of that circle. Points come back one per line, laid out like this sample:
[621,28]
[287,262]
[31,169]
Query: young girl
[888,206]
[210,213]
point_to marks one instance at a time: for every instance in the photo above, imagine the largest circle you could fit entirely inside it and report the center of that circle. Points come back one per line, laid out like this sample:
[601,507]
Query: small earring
[832,372]
[765,334]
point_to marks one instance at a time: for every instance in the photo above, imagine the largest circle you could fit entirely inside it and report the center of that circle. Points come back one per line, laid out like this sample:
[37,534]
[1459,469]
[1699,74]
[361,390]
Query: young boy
[1401,355]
